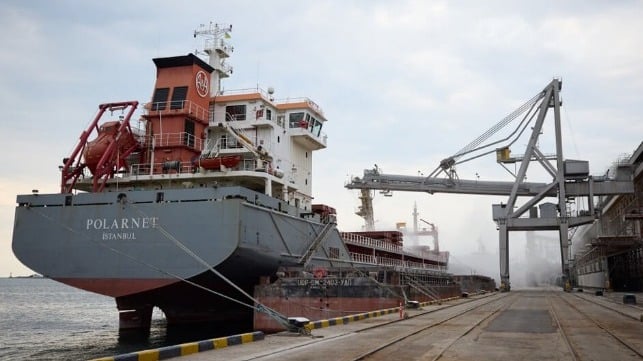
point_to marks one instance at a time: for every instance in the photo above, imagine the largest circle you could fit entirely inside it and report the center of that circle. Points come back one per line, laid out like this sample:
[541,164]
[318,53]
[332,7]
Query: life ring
[319,272]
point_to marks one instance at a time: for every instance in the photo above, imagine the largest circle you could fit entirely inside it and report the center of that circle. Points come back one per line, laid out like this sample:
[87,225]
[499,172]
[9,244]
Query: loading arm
[372,179]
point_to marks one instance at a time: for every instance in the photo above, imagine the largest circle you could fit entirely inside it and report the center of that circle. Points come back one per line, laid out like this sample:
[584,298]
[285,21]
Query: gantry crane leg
[504,257]
[564,253]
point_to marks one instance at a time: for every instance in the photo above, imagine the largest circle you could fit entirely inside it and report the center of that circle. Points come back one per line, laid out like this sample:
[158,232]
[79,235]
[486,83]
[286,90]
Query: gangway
[570,179]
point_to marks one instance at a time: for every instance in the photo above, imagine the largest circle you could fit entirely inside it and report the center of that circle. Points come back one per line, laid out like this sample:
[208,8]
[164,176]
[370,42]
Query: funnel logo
[202,84]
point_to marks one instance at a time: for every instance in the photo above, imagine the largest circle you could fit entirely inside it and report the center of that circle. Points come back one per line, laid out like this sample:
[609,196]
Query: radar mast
[218,49]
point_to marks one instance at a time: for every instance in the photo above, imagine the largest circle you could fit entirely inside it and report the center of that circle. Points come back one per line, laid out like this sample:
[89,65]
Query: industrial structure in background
[571,184]
[418,232]
[608,254]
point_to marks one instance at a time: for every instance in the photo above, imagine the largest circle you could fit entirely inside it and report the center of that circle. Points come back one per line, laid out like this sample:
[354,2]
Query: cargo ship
[204,197]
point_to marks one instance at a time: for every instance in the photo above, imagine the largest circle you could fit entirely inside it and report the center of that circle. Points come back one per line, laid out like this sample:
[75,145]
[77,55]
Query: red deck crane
[105,154]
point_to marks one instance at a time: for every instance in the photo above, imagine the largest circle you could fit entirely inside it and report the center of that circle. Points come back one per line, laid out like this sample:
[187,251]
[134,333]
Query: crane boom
[373,179]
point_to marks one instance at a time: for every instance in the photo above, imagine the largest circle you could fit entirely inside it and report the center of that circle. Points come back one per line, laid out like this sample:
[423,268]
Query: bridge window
[296,120]
[159,100]
[235,112]
[178,97]
[317,128]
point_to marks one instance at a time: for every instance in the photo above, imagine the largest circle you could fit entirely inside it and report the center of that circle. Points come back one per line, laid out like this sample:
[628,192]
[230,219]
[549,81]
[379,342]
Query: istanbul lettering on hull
[121,228]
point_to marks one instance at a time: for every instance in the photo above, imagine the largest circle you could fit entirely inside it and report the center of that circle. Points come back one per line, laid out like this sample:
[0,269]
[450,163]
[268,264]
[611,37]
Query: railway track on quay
[398,346]
[521,325]
[611,330]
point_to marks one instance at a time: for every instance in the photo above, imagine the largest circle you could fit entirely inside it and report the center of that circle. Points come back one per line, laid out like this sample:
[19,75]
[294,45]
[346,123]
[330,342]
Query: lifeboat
[215,163]
[107,133]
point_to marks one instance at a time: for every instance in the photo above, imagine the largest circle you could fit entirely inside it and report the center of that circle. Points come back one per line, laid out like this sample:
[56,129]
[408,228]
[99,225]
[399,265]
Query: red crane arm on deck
[113,156]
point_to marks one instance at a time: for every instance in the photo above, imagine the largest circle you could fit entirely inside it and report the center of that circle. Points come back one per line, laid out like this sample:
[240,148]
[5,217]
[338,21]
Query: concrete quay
[534,324]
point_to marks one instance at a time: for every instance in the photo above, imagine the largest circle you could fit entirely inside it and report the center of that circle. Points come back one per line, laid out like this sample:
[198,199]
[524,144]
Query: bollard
[629,298]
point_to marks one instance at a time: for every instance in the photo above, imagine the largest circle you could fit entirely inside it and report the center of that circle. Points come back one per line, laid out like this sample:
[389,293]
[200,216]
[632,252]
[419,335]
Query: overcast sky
[402,83]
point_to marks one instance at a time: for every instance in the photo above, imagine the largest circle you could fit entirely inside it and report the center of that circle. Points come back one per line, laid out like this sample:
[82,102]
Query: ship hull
[327,298]
[162,248]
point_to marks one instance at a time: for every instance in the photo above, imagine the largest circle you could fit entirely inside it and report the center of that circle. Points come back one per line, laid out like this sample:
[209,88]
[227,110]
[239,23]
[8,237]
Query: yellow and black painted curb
[164,353]
[346,319]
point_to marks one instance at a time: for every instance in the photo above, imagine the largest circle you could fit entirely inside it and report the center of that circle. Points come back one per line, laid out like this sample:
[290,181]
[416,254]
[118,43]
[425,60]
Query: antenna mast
[218,49]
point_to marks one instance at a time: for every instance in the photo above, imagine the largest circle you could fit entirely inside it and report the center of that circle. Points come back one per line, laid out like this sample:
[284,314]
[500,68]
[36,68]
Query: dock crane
[570,179]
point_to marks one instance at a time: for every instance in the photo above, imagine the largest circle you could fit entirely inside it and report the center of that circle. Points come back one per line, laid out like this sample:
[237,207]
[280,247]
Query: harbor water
[41,319]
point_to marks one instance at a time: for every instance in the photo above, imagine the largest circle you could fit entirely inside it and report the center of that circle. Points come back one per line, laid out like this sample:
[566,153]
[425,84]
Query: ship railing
[385,261]
[311,104]
[177,106]
[363,258]
[433,256]
[178,139]
[171,167]
[269,97]
[177,167]
[390,261]
[241,91]
[422,265]
[370,242]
